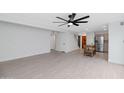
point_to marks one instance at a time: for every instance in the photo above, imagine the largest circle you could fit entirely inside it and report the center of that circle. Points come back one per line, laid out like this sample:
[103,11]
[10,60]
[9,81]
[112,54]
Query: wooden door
[83,41]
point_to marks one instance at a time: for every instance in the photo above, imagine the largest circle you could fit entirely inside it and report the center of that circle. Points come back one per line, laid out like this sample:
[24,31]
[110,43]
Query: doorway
[83,41]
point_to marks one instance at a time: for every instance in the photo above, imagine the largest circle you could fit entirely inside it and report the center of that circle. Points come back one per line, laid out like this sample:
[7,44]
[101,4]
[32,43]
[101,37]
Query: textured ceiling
[97,21]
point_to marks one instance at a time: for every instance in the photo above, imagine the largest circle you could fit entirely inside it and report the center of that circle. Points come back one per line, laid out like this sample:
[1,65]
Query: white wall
[60,41]
[17,41]
[66,42]
[116,43]
[52,40]
[71,42]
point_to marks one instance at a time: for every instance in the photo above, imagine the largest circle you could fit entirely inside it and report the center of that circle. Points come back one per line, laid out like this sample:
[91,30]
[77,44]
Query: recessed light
[105,29]
[104,26]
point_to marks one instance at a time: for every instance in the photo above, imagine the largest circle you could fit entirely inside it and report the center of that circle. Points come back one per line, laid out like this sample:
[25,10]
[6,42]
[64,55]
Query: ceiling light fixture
[105,26]
[70,24]
[72,20]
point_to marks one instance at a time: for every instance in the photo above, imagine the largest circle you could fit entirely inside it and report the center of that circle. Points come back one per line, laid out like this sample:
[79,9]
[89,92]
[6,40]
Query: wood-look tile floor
[57,65]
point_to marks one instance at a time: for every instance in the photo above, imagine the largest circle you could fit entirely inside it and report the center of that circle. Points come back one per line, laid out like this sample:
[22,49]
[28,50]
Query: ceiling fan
[71,20]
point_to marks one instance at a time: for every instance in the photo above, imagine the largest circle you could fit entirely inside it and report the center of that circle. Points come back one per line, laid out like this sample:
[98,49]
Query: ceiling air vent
[121,23]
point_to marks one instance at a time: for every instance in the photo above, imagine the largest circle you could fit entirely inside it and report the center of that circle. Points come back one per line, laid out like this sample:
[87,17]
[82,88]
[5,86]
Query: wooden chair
[89,50]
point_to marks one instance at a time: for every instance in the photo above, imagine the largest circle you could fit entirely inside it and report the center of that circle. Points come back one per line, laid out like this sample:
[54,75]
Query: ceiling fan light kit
[71,20]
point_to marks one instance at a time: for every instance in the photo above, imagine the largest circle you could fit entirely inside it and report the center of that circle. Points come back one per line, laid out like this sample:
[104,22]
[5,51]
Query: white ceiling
[97,21]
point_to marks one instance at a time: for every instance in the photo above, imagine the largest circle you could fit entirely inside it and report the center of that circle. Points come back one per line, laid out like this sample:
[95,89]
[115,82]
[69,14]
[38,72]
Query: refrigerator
[99,43]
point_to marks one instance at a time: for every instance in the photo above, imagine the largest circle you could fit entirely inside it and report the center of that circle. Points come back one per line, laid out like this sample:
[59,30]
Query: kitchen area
[97,39]
[101,41]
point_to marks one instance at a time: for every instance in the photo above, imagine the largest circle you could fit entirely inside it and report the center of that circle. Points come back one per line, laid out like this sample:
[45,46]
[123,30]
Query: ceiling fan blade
[72,16]
[81,18]
[76,24]
[63,24]
[62,19]
[81,22]
[59,22]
